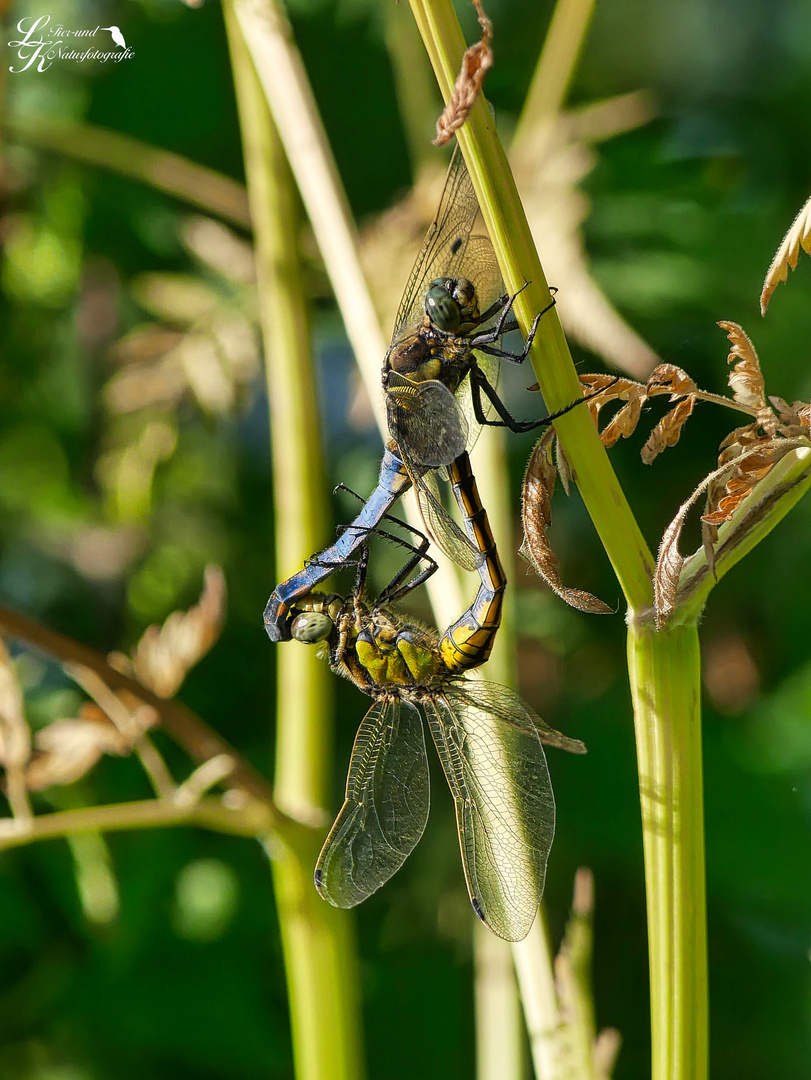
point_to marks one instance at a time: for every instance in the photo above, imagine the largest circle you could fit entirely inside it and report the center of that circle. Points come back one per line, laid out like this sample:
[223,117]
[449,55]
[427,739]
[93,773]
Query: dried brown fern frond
[536,515]
[796,239]
[745,457]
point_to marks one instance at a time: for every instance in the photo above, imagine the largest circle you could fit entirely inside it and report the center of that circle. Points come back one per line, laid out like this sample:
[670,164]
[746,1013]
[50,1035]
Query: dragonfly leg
[486,342]
[479,383]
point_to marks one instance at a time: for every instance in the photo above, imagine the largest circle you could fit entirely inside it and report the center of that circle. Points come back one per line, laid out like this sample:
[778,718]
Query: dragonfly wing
[441,527]
[443,251]
[426,419]
[505,810]
[505,704]
[385,809]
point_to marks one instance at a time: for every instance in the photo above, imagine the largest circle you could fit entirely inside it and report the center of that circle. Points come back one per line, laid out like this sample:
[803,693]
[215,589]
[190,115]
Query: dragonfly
[441,368]
[489,742]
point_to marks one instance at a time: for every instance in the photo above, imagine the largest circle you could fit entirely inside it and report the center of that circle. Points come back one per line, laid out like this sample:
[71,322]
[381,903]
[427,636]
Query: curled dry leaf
[604,389]
[796,239]
[792,420]
[669,379]
[67,749]
[476,62]
[746,379]
[726,498]
[15,736]
[741,474]
[165,654]
[668,431]
[536,513]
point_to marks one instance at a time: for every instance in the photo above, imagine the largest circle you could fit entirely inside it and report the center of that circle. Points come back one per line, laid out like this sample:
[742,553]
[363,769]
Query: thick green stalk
[664,670]
[665,673]
[318,940]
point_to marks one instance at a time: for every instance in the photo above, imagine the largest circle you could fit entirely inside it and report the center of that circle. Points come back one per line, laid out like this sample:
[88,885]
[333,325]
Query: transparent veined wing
[504,703]
[425,419]
[441,527]
[385,809]
[443,250]
[505,809]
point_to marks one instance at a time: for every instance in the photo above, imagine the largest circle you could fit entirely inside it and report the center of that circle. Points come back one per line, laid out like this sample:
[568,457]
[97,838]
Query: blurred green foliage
[186,979]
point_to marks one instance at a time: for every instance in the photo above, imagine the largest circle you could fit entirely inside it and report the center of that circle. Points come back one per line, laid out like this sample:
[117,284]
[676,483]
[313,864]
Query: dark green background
[686,214]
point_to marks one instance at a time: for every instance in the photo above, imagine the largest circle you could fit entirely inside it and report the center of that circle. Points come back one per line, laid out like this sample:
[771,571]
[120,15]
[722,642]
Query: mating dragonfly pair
[439,378]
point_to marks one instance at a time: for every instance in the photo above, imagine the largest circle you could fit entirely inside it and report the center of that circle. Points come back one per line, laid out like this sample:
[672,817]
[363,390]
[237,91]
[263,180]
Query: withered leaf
[165,654]
[67,749]
[668,431]
[742,474]
[796,239]
[601,390]
[669,379]
[746,379]
[536,513]
[15,735]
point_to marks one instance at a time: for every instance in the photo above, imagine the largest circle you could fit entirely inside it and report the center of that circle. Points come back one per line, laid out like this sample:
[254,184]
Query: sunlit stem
[318,940]
[664,670]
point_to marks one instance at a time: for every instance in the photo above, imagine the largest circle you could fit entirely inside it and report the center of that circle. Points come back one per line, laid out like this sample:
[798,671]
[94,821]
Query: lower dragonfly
[489,742]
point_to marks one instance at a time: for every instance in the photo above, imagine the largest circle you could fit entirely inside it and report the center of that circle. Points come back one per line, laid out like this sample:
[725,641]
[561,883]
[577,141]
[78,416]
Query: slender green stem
[251,820]
[170,173]
[318,940]
[518,259]
[499,1024]
[665,674]
[665,670]
[556,65]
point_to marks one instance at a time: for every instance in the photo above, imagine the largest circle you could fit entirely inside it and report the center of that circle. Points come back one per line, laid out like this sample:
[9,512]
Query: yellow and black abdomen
[469,641]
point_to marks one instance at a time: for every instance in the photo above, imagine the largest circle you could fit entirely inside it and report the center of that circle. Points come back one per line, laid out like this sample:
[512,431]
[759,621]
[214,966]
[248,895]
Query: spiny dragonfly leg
[479,384]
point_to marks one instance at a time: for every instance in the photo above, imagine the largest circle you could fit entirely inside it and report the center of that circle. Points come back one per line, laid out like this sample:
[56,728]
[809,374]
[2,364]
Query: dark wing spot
[477,907]
[456,245]
[318,880]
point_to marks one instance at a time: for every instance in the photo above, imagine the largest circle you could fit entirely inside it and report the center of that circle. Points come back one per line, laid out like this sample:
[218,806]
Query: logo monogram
[35,46]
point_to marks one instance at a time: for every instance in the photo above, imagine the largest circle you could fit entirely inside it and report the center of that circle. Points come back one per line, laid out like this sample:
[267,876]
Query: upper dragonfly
[438,390]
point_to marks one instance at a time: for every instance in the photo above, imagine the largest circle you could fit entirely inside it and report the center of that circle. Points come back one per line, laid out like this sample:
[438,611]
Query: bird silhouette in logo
[118,37]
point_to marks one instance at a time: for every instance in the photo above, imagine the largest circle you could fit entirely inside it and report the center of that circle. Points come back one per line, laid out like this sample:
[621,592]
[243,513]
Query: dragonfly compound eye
[311,627]
[442,309]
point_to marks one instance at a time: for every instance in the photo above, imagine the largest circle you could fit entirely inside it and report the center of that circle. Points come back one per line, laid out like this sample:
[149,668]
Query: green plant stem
[318,940]
[170,173]
[534,966]
[292,104]
[665,674]
[556,65]
[518,259]
[664,669]
[251,820]
[499,1024]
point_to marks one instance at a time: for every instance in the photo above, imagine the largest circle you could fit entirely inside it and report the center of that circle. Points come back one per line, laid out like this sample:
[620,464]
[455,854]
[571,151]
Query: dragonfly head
[314,617]
[451,304]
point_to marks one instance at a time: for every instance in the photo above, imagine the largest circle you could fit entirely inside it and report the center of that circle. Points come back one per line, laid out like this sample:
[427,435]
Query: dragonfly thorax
[452,306]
